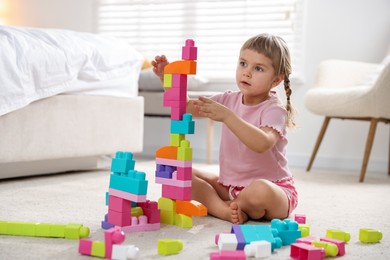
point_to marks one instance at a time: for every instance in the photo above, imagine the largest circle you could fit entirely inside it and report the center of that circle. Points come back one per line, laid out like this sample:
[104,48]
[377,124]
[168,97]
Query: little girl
[254,181]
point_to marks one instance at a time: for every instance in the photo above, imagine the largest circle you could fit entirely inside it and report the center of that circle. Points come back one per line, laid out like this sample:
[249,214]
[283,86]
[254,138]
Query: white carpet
[329,199]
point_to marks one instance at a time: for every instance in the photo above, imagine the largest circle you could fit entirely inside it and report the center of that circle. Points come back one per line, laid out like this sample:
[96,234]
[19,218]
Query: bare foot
[238,216]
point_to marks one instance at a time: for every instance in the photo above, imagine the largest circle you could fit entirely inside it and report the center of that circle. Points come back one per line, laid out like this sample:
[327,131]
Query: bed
[67,99]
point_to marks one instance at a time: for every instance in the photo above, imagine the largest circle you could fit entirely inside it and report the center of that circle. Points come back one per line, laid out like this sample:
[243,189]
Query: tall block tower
[174,161]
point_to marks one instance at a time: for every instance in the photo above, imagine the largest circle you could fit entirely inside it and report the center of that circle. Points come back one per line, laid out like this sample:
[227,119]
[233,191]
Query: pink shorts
[287,185]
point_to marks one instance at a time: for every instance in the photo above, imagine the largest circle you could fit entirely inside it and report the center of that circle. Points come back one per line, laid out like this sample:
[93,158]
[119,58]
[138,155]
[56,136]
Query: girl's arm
[256,139]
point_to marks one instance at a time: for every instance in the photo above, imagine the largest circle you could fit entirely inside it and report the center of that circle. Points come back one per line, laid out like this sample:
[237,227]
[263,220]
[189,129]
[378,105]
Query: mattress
[65,127]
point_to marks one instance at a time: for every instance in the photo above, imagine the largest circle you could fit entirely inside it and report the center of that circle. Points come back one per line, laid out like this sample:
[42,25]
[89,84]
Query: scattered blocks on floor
[258,249]
[288,230]
[228,255]
[301,251]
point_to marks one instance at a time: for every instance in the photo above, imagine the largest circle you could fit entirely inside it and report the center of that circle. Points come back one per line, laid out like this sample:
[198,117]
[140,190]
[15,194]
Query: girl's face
[255,77]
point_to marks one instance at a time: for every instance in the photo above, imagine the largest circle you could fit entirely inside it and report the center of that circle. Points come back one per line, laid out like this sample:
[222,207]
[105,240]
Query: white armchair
[351,90]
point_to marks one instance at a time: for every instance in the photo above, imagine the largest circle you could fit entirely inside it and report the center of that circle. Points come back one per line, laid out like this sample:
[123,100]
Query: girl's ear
[277,80]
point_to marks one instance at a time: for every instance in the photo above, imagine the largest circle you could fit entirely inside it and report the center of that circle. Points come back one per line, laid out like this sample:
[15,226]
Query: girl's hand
[209,108]
[158,64]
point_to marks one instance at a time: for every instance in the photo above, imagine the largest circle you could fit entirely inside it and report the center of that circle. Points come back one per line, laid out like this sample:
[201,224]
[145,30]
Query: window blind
[219,28]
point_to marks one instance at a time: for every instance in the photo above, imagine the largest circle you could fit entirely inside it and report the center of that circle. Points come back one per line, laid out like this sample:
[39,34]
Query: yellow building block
[167,82]
[42,230]
[76,231]
[136,211]
[169,246]
[329,248]
[369,235]
[98,249]
[305,230]
[167,209]
[338,234]
[184,153]
[183,221]
[175,139]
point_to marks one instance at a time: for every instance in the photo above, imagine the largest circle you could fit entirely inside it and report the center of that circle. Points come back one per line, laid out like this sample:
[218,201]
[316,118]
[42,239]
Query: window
[218,28]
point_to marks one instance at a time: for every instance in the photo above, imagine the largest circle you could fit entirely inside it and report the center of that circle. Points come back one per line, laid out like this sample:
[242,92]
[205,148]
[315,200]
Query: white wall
[337,29]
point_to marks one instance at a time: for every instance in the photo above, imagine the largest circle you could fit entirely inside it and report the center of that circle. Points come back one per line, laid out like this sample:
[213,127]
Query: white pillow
[148,81]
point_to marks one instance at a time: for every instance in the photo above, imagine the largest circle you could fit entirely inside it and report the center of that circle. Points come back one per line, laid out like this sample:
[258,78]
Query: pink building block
[111,237]
[119,218]
[85,246]
[175,163]
[118,204]
[306,240]
[151,211]
[300,218]
[301,251]
[228,255]
[176,193]
[175,94]
[189,51]
[340,244]
[184,173]
[126,195]
[179,81]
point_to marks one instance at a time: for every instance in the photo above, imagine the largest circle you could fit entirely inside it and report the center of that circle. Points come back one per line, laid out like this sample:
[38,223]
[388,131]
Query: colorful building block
[301,251]
[189,51]
[169,246]
[329,248]
[122,163]
[185,126]
[300,218]
[183,221]
[369,235]
[176,193]
[134,182]
[338,234]
[190,208]
[305,230]
[340,244]
[167,81]
[258,249]
[167,152]
[175,139]
[227,241]
[184,152]
[69,231]
[228,255]
[288,230]
[181,67]
[184,173]
[124,252]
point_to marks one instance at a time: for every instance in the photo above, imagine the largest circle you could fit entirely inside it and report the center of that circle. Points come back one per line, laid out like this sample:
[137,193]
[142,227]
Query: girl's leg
[213,195]
[260,199]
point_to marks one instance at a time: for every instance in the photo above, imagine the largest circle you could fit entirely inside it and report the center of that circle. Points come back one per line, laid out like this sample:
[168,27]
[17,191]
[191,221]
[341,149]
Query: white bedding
[39,63]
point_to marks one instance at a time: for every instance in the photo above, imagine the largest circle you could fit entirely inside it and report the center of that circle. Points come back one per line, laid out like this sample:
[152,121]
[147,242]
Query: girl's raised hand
[158,64]
[209,108]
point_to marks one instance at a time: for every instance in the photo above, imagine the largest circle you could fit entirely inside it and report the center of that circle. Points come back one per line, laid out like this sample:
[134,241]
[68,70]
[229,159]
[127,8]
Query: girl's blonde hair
[275,48]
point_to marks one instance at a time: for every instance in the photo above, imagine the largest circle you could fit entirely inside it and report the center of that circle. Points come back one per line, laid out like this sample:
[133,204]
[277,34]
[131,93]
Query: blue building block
[134,182]
[185,126]
[164,171]
[288,230]
[252,233]
[122,163]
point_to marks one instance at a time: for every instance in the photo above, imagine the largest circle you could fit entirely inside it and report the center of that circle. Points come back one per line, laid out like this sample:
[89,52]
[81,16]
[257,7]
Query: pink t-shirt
[239,165]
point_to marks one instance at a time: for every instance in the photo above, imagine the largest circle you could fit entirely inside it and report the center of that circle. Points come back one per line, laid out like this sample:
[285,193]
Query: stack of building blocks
[111,248]
[128,208]
[69,231]
[174,162]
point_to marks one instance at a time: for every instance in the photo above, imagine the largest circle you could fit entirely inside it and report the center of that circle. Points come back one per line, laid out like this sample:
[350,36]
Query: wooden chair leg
[369,142]
[318,143]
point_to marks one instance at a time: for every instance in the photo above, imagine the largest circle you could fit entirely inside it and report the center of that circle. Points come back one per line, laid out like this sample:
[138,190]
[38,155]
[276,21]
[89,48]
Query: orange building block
[181,67]
[190,208]
[167,152]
